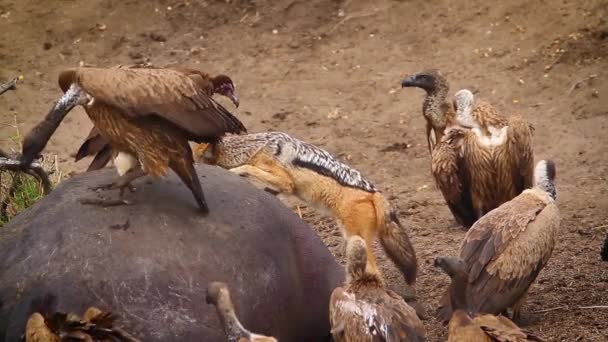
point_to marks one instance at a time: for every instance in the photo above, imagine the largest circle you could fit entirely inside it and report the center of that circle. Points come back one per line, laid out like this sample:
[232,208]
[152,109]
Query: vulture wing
[502,329]
[448,169]
[180,99]
[506,249]
[377,317]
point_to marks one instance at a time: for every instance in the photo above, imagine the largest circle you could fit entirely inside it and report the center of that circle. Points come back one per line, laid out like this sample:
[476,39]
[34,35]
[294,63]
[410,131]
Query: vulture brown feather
[483,161]
[465,324]
[219,295]
[96,145]
[365,310]
[505,250]
[95,326]
[149,114]
[436,109]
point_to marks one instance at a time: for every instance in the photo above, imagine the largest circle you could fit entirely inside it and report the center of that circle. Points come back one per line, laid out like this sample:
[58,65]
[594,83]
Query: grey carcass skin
[154,273]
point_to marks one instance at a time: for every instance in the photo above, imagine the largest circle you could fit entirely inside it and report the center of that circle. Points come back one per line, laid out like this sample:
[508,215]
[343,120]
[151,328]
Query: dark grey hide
[154,273]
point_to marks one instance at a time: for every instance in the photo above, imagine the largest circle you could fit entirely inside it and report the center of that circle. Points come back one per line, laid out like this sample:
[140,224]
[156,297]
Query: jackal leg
[277,181]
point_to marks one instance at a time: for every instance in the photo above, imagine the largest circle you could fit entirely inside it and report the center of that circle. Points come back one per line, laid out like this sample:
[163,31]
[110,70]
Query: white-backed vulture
[436,109]
[148,113]
[364,310]
[467,326]
[479,167]
[219,295]
[505,250]
[95,325]
[514,160]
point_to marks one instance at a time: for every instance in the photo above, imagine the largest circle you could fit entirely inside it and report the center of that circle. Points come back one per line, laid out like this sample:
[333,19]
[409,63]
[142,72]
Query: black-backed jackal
[289,166]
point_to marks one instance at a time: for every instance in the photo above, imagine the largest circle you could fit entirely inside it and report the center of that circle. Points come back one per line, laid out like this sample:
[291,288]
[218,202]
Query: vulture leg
[184,168]
[123,182]
[517,308]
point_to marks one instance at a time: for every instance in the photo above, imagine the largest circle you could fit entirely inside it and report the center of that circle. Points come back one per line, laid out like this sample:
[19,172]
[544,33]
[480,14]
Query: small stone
[157,37]
[135,55]
[275,31]
[595,93]
[101,27]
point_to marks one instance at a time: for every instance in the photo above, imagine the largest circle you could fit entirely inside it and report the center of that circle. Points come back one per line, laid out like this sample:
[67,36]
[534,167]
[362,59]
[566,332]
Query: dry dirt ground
[329,72]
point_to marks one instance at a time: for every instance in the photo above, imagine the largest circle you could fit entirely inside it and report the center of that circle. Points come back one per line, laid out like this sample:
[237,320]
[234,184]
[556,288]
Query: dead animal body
[466,325]
[289,166]
[149,114]
[505,250]
[482,161]
[364,310]
[219,295]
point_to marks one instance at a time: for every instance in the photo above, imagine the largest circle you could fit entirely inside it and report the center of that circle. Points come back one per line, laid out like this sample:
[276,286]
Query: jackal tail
[394,239]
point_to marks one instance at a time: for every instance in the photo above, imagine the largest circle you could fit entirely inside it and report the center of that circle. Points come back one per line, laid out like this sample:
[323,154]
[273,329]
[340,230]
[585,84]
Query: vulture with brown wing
[364,310]
[514,160]
[506,249]
[149,114]
[483,161]
[95,326]
[96,145]
[436,109]
[219,295]
[465,324]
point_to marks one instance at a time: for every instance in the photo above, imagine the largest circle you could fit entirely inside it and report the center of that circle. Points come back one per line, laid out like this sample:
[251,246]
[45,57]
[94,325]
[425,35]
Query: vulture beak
[409,82]
[234,97]
[35,141]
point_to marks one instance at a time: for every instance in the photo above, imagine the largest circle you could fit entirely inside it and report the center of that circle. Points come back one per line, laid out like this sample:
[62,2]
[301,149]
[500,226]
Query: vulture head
[219,295]
[35,141]
[356,257]
[463,102]
[431,81]
[544,177]
[223,85]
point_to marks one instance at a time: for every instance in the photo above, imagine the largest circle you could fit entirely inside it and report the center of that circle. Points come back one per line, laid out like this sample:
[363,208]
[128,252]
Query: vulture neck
[435,105]
[232,326]
[544,180]
[458,289]
[38,137]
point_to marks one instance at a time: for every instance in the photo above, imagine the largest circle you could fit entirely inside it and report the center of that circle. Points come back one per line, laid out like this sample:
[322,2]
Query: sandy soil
[329,72]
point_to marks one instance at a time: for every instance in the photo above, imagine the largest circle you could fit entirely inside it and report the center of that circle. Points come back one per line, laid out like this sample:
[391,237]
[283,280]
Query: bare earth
[329,72]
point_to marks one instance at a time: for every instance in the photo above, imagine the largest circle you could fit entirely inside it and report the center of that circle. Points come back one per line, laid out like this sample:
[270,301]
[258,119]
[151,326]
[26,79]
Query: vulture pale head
[544,177]
[356,257]
[219,295]
[455,267]
[430,80]
[35,141]
[223,85]
[463,102]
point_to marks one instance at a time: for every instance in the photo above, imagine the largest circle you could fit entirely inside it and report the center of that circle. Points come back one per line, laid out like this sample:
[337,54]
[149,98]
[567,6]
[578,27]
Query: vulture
[95,144]
[505,250]
[149,114]
[365,310]
[219,295]
[479,166]
[466,325]
[515,159]
[436,109]
[93,327]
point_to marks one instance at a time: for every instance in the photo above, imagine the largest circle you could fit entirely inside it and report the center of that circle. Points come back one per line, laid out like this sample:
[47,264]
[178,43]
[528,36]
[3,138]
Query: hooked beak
[234,98]
[409,82]
[35,141]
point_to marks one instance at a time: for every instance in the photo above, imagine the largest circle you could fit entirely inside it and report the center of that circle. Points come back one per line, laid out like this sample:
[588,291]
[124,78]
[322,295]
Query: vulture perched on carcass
[96,145]
[465,324]
[45,325]
[219,295]
[365,310]
[148,114]
[505,250]
[436,109]
[478,166]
